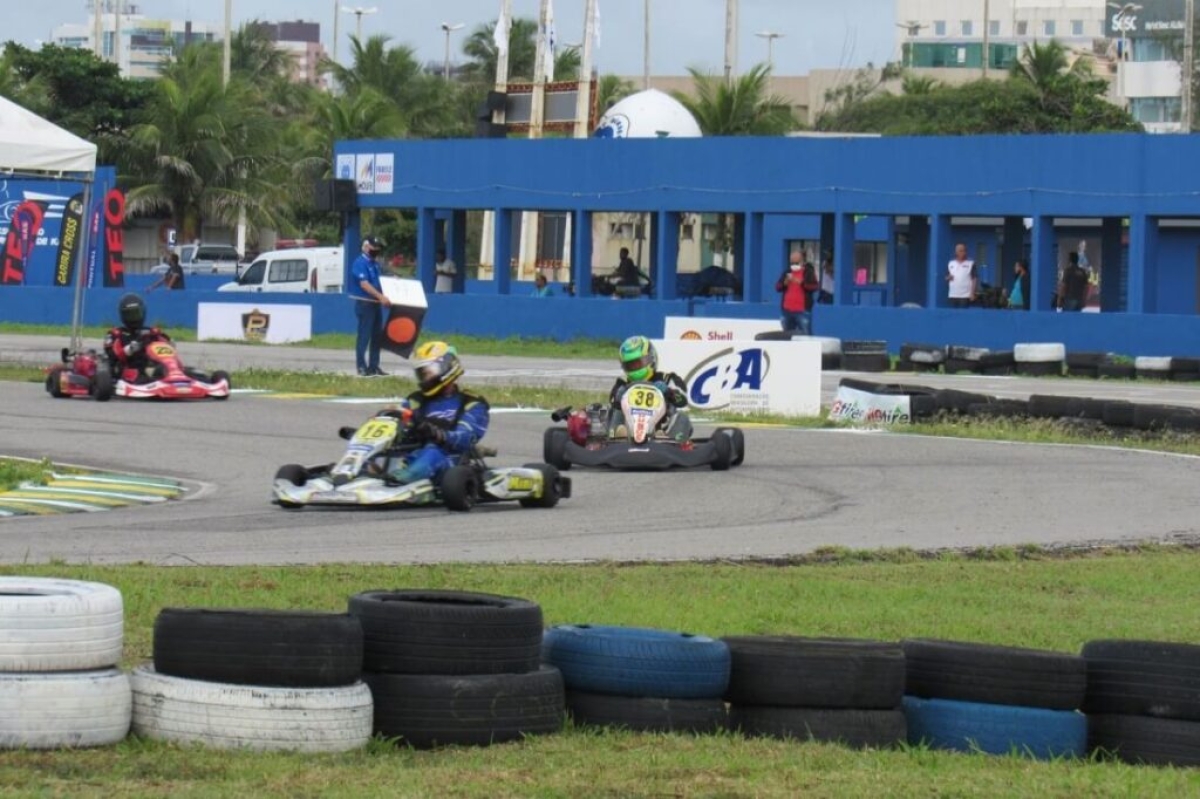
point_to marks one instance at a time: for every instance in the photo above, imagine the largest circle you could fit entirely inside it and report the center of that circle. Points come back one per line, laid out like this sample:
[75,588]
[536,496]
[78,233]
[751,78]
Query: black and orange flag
[401,328]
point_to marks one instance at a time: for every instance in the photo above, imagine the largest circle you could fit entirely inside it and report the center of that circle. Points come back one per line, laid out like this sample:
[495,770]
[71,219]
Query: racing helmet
[131,310]
[639,359]
[437,366]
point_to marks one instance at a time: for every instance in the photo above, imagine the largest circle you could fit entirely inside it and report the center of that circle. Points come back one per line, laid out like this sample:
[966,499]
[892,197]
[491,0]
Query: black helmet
[373,244]
[132,310]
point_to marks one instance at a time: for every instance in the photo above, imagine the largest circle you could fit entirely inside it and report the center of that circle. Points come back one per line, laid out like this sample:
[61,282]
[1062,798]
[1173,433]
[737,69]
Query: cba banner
[68,242]
[775,377]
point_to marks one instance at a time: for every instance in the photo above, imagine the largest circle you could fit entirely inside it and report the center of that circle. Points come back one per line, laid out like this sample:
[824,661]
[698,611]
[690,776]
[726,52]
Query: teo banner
[20,241]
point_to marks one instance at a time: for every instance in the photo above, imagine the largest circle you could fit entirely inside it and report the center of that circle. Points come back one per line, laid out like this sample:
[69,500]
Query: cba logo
[255,324]
[691,335]
[712,382]
[613,127]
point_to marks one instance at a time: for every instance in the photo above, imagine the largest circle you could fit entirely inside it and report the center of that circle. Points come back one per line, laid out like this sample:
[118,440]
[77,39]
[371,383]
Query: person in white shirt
[445,274]
[960,274]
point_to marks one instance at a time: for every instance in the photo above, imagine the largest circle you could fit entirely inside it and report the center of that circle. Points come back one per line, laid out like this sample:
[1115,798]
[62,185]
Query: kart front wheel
[723,457]
[294,473]
[217,377]
[554,448]
[551,487]
[460,488]
[102,385]
[54,383]
[738,439]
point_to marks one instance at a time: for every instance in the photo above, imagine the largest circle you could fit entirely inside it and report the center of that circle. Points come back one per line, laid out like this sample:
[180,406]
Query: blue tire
[628,661]
[995,729]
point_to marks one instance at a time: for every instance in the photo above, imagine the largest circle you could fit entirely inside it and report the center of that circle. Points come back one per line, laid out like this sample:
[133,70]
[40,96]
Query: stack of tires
[921,358]
[836,690]
[456,667]
[1143,701]
[639,679]
[60,642]
[865,356]
[263,680]
[999,700]
[1040,360]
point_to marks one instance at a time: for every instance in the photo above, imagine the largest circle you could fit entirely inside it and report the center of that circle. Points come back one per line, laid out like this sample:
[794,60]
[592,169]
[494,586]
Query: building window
[1049,28]
[1155,109]
[939,27]
[1076,27]
[1150,49]
[994,27]
[960,55]
[968,28]
[1022,28]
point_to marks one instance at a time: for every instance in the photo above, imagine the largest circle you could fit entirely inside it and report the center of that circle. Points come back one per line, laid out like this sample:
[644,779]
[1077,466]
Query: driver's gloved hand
[134,348]
[431,433]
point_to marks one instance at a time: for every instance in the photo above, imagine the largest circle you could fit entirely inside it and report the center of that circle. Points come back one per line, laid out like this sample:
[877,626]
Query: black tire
[995,729]
[1118,413]
[447,632]
[1186,365]
[831,361]
[648,714]
[1185,377]
[866,362]
[1181,421]
[102,385]
[723,454]
[966,353]
[294,473]
[928,353]
[551,487]
[922,406]
[1141,739]
[1087,360]
[460,488]
[1151,416]
[430,710]
[1000,409]
[854,728]
[554,448]
[989,360]
[54,382]
[1039,368]
[738,439]
[1116,371]
[1083,371]
[995,675]
[1046,406]
[774,335]
[287,649]
[784,671]
[217,377]
[953,366]
[1153,374]
[859,347]
[873,387]
[952,400]
[1143,678]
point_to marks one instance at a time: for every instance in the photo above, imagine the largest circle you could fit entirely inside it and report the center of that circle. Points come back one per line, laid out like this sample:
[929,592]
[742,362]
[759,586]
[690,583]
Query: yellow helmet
[437,366]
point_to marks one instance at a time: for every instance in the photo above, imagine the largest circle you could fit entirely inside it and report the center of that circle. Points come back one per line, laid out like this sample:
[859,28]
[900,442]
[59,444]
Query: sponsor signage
[69,241]
[753,377]
[863,407]
[272,324]
[693,328]
[1147,17]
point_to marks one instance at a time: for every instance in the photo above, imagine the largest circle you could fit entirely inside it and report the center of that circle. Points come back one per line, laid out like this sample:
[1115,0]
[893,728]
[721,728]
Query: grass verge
[14,471]
[1030,600]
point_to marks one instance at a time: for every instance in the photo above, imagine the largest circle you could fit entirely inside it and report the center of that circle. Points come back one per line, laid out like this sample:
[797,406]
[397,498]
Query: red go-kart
[87,374]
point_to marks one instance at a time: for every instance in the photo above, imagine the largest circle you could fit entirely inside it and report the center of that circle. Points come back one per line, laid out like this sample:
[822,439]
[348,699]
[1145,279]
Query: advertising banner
[19,244]
[764,377]
[69,242]
[114,239]
[863,407]
[694,328]
[271,324]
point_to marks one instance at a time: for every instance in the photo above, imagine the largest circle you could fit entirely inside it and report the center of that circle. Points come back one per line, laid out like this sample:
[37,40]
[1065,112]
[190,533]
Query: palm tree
[611,90]
[919,84]
[739,108]
[1042,65]
[366,114]
[480,49]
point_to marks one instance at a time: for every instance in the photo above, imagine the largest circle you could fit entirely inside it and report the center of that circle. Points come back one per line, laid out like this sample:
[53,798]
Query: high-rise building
[301,40]
[1149,36]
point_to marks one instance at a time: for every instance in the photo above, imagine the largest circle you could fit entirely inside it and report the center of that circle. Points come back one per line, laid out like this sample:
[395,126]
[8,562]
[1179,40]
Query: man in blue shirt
[369,302]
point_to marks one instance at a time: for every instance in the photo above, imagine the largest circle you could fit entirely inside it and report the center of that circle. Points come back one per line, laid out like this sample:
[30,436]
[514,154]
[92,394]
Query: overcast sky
[826,34]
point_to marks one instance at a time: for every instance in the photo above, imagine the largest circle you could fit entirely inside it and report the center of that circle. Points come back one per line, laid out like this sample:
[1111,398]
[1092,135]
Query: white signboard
[345,167]
[404,291]
[776,377]
[695,328]
[365,173]
[235,321]
[385,173]
[863,407]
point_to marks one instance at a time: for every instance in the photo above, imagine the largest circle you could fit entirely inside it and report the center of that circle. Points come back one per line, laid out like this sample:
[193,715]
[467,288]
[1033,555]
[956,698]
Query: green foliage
[610,90]
[743,107]
[480,50]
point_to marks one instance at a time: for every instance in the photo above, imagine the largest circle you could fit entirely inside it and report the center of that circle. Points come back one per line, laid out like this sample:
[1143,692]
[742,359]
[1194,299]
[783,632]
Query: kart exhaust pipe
[561,414]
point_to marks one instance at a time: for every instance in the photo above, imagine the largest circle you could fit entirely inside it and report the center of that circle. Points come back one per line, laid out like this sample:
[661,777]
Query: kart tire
[866,362]
[48,624]
[995,729]
[254,717]
[1000,409]
[281,648]
[647,714]
[1085,360]
[217,377]
[1146,740]
[951,400]
[738,439]
[1039,368]
[102,385]
[723,455]
[554,448]
[70,709]
[859,729]
[635,662]
[551,487]
[460,488]
[448,632]
[54,382]
[1143,678]
[431,710]
[1119,413]
[1116,371]
[995,675]
[294,473]
[953,366]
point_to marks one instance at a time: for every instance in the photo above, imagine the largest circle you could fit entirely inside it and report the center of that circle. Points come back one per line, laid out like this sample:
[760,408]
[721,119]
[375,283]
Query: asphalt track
[798,490]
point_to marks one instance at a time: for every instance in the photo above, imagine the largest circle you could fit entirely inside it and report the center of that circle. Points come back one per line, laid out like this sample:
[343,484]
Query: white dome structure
[648,115]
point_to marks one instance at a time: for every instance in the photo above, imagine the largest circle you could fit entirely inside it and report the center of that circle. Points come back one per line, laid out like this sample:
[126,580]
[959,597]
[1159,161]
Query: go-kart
[87,374]
[639,441]
[360,476]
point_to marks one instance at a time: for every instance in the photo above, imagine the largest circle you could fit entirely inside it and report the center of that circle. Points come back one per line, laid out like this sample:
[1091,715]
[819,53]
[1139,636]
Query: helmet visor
[428,372]
[638,364]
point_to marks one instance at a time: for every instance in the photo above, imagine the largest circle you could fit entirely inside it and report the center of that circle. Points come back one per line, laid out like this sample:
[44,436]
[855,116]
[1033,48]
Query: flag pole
[537,115]
[583,98]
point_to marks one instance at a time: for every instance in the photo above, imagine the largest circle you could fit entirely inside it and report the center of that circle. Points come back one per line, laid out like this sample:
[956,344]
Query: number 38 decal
[648,398]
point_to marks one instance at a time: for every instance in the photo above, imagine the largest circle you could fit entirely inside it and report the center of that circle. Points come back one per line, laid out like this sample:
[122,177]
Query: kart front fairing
[172,381]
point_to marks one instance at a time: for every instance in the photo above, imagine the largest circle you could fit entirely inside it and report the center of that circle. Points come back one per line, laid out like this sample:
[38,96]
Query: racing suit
[459,420]
[679,424]
[126,351]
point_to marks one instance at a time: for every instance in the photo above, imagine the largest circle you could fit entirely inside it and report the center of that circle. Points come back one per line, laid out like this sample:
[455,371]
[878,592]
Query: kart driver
[125,346]
[445,419]
[639,362]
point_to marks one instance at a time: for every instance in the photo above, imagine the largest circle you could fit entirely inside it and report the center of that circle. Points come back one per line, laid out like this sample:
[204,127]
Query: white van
[309,269]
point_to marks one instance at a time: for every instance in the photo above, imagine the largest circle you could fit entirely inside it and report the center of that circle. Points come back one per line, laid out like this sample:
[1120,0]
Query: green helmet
[638,358]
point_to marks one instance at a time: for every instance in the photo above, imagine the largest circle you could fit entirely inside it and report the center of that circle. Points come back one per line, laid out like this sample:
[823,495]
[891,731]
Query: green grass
[1024,597]
[14,471]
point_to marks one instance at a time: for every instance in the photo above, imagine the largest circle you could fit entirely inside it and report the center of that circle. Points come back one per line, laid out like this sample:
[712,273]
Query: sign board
[863,407]
[694,328]
[776,377]
[403,319]
[271,324]
[1149,17]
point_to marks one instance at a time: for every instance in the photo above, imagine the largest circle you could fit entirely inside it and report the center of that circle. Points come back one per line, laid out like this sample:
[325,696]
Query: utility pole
[646,45]
[228,54]
[537,111]
[98,29]
[448,28]
[1189,64]
[583,96]
[731,32]
[987,24]
[336,18]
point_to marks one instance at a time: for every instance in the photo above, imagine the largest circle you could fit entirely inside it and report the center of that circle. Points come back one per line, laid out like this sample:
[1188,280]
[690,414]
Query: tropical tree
[742,107]
[1044,66]
[610,90]
[480,50]
[919,84]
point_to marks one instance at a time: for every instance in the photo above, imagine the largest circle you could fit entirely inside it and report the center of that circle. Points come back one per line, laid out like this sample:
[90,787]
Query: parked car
[308,269]
[204,259]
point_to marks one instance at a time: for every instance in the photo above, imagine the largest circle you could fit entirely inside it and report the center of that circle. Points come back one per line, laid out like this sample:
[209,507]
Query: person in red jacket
[797,285]
[125,346]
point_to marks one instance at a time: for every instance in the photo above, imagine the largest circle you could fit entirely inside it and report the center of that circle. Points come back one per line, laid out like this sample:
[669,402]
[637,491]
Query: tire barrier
[648,714]
[995,729]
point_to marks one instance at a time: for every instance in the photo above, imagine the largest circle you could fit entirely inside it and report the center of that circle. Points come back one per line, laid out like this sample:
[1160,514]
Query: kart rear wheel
[294,473]
[102,385]
[54,382]
[217,377]
[460,488]
[723,458]
[551,487]
[738,439]
[554,448]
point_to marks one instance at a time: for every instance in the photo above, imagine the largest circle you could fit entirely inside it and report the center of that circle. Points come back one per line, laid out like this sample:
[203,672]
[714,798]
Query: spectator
[369,302]
[1073,287]
[1018,298]
[541,287]
[963,280]
[172,278]
[825,297]
[795,285]
[627,273]
[446,270]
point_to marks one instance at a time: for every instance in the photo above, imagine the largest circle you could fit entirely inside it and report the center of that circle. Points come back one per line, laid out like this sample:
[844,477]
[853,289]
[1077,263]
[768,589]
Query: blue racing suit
[464,419]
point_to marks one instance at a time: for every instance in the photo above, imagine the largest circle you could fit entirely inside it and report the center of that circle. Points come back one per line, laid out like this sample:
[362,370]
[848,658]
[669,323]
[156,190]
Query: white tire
[1039,353]
[928,356]
[829,345]
[225,716]
[59,625]
[68,709]
[1150,363]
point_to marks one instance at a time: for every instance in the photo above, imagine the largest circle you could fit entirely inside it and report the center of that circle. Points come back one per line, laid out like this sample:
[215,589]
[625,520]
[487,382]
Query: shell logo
[691,335]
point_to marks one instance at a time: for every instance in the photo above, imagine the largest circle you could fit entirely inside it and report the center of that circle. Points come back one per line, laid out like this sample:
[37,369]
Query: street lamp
[1122,22]
[913,28]
[358,12]
[448,28]
[770,36]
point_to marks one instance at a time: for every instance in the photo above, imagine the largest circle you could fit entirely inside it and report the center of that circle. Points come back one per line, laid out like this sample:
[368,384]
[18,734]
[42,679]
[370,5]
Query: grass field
[1023,598]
